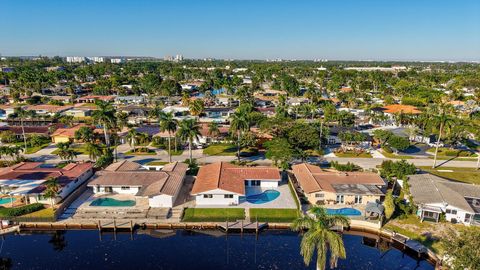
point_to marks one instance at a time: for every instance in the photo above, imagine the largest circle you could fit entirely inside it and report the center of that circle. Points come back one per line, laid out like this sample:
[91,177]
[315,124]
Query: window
[254,183]
[228,196]
[454,212]
[448,211]
[319,195]
[358,199]
[125,188]
[467,218]
[207,196]
[340,199]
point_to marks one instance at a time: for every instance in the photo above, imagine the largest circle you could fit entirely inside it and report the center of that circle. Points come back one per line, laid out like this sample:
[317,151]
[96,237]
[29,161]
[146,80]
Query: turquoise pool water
[264,197]
[344,212]
[7,200]
[112,202]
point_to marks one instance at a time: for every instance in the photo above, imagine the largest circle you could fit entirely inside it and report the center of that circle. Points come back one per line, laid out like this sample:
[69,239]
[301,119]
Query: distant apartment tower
[75,59]
[96,59]
[178,57]
[117,60]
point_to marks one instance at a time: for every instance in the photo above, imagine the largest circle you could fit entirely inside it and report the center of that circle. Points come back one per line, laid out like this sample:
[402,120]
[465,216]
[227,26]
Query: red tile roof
[400,108]
[228,177]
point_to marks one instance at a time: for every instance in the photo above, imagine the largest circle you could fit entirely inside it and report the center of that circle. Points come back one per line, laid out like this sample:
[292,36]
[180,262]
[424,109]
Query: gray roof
[374,207]
[152,183]
[428,189]
[357,189]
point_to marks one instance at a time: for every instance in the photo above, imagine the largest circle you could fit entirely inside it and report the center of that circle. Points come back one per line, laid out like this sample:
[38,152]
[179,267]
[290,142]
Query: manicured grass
[392,155]
[450,153]
[156,163]
[141,151]
[44,213]
[176,153]
[294,194]
[78,148]
[220,149]
[353,155]
[467,175]
[213,214]
[273,214]
[31,150]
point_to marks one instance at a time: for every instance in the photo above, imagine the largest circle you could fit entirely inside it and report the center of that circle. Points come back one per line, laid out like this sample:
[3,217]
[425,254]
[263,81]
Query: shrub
[387,149]
[20,211]
[349,167]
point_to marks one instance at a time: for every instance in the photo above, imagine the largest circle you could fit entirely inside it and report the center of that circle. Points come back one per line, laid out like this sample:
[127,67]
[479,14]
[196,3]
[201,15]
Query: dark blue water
[183,250]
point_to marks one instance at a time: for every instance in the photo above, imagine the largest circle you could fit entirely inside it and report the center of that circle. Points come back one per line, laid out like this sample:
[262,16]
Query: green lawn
[213,214]
[467,175]
[78,148]
[273,214]
[176,153]
[220,149]
[451,153]
[141,151]
[393,155]
[33,149]
[353,155]
[44,213]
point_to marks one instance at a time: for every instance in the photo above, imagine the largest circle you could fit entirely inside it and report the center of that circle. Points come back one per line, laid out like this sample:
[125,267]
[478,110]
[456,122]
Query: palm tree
[319,236]
[196,107]
[213,129]
[52,188]
[22,114]
[122,120]
[239,123]
[132,137]
[168,123]
[65,152]
[188,131]
[94,150]
[104,115]
[445,121]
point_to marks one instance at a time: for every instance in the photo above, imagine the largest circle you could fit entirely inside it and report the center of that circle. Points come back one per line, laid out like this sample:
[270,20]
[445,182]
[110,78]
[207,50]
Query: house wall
[458,217]
[117,189]
[58,139]
[331,196]
[161,201]
[218,198]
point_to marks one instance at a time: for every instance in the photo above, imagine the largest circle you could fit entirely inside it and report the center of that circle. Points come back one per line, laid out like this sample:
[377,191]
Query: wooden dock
[243,226]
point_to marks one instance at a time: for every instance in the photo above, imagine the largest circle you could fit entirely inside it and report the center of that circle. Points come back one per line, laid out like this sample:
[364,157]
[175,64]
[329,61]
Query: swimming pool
[112,202]
[344,212]
[7,200]
[264,197]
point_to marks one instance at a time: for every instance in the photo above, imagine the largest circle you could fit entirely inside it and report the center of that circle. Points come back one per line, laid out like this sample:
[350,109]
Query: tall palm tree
[239,123]
[188,131]
[94,150]
[23,114]
[168,123]
[319,236]
[444,121]
[65,152]
[52,188]
[196,107]
[104,115]
[132,137]
[213,129]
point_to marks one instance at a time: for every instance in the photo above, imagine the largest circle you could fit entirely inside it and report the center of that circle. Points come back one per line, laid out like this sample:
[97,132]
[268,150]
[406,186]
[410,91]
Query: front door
[108,189]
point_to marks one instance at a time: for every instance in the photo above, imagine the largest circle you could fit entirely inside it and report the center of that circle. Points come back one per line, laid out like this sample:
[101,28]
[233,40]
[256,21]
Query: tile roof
[70,131]
[399,108]
[152,183]
[33,171]
[429,189]
[49,108]
[229,177]
[313,179]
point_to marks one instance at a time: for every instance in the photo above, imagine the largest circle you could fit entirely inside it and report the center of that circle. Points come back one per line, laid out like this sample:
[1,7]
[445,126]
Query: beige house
[333,187]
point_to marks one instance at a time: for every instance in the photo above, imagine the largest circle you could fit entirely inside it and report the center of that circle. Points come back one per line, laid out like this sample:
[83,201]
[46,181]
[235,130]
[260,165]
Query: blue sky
[295,29]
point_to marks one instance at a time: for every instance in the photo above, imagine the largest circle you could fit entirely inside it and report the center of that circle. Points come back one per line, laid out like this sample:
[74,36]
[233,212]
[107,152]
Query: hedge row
[20,211]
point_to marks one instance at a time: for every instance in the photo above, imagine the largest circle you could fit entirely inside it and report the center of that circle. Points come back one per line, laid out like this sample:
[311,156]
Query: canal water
[186,250]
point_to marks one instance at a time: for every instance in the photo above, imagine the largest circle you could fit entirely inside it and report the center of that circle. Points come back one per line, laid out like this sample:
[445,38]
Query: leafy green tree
[132,137]
[94,150]
[319,236]
[398,169]
[196,107]
[279,150]
[399,143]
[52,188]
[84,134]
[389,204]
[461,247]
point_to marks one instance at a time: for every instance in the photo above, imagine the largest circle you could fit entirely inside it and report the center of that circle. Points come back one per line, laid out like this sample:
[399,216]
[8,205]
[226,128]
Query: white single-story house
[160,188]
[27,180]
[460,202]
[223,183]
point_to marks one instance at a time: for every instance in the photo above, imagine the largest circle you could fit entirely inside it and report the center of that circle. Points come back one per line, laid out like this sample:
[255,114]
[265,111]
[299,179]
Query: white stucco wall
[161,201]
[118,189]
[218,198]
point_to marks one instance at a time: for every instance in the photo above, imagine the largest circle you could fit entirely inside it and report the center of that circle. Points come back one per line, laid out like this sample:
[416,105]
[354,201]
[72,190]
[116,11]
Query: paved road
[45,155]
